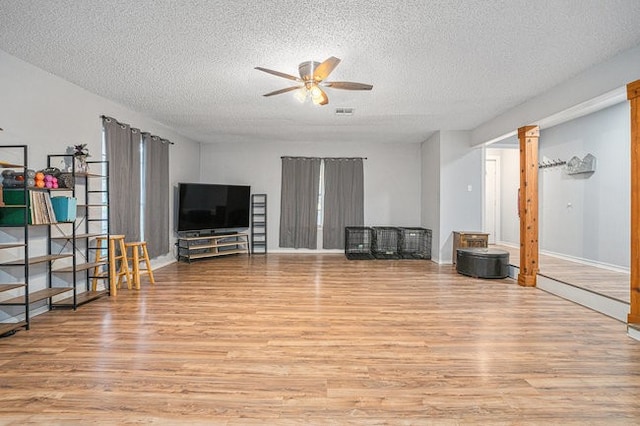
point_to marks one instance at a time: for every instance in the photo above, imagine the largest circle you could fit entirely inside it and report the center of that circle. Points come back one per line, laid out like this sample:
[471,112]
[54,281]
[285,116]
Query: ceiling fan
[312,76]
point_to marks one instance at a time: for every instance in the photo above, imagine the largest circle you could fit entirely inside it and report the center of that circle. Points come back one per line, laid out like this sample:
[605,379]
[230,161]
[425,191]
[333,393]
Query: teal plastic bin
[65,208]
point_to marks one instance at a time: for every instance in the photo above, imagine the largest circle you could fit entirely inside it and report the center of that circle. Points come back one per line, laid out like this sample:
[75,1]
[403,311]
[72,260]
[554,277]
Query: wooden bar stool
[116,251]
[139,254]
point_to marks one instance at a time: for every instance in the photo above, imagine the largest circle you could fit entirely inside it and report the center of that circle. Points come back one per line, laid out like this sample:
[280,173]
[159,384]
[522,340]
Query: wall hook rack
[551,163]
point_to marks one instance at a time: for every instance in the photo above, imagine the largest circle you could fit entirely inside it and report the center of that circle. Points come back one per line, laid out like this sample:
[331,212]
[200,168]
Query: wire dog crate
[414,243]
[385,242]
[357,242]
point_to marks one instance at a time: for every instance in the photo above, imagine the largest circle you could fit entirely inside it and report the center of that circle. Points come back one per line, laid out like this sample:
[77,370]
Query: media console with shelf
[203,246]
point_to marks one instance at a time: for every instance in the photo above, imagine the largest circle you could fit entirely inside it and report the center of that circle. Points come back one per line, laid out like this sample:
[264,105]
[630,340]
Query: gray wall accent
[587,216]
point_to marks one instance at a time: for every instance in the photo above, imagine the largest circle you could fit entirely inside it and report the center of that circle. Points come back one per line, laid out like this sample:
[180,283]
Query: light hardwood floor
[613,284]
[318,339]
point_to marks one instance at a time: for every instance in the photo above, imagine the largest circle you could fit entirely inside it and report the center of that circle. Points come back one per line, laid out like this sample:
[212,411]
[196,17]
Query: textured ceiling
[440,64]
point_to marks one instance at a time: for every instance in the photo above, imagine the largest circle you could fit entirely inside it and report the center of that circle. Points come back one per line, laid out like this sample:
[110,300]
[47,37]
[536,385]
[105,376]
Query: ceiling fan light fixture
[306,70]
[312,76]
[315,91]
[301,94]
[320,98]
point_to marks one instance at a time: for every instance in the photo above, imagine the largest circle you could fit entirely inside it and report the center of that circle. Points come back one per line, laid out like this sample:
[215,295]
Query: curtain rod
[157,138]
[104,117]
[327,158]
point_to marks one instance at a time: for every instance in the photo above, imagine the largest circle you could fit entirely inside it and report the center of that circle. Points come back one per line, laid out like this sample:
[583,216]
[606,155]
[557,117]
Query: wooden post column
[528,205]
[633,95]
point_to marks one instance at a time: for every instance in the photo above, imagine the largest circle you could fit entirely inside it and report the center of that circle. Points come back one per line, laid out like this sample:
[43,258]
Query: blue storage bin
[65,208]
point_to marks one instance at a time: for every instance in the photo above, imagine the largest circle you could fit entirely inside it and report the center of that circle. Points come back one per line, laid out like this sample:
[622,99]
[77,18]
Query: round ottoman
[483,262]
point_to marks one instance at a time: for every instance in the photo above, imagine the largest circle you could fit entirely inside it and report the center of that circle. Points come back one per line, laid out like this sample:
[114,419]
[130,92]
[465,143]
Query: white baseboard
[633,333]
[507,244]
[306,251]
[587,262]
[605,305]
[582,261]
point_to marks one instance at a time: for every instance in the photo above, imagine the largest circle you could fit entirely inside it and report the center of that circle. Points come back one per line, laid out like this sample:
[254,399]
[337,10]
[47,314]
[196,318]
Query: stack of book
[41,209]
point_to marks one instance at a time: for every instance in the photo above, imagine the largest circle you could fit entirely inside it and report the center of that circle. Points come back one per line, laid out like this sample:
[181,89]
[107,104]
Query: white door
[492,199]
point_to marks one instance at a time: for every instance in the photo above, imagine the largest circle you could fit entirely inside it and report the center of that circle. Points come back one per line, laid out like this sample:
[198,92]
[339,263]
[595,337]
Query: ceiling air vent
[345,111]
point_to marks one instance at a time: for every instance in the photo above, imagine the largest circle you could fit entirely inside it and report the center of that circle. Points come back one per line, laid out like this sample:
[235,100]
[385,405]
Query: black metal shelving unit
[259,224]
[77,237]
[15,243]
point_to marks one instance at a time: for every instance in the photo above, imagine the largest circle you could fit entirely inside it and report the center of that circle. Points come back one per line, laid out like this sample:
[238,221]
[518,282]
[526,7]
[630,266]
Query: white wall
[452,189]
[430,209]
[598,80]
[461,188]
[587,216]
[391,176]
[49,114]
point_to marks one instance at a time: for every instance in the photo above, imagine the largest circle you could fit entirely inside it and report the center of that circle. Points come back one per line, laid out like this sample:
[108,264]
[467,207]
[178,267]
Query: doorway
[492,198]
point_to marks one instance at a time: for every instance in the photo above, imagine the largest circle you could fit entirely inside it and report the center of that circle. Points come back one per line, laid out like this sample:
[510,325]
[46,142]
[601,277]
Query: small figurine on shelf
[80,154]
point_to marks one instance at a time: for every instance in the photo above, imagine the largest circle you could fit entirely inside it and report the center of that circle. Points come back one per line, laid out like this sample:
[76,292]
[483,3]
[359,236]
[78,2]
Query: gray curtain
[156,185]
[123,154]
[299,202]
[343,199]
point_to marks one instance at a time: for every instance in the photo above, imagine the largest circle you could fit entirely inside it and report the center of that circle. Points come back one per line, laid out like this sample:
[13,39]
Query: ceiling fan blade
[323,70]
[278,92]
[347,85]
[279,74]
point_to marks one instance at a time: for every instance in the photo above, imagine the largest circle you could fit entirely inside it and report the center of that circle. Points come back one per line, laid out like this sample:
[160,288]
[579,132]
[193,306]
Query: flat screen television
[206,208]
